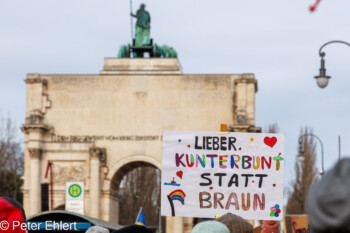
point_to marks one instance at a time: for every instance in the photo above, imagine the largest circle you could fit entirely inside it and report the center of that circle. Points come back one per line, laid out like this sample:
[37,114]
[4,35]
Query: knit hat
[210,227]
[11,211]
[235,223]
[270,226]
[134,229]
[328,203]
[97,229]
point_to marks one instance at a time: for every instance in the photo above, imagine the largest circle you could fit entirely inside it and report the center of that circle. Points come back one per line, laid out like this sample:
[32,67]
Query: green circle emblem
[74,190]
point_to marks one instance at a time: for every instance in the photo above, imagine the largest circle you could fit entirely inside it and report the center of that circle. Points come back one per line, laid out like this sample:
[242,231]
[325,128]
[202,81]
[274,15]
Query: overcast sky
[277,40]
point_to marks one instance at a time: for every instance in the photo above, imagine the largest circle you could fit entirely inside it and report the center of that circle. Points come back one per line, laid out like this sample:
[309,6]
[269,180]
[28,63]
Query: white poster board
[75,197]
[209,174]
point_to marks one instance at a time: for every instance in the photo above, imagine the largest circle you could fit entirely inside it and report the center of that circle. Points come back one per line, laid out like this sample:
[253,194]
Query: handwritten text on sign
[206,174]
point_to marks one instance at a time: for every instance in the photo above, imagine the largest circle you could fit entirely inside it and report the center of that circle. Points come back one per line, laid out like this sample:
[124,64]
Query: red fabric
[10,213]
[270,226]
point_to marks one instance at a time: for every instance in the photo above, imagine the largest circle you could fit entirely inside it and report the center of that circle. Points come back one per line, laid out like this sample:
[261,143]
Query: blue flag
[140,220]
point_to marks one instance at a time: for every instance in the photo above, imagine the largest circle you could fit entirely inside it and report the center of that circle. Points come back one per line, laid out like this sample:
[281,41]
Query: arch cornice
[130,159]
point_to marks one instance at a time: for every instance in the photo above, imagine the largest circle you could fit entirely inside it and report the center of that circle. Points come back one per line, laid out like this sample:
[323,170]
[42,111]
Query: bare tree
[305,176]
[273,128]
[140,188]
[11,160]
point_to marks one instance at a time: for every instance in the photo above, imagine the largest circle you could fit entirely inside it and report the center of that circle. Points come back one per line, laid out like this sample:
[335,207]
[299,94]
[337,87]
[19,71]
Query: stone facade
[94,128]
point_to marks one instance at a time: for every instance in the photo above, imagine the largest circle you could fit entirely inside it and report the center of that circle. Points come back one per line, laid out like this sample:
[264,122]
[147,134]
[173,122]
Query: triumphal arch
[96,128]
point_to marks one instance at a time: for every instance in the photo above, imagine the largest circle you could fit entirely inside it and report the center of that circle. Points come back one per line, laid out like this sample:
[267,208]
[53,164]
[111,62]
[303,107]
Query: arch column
[34,129]
[96,154]
[35,189]
[178,224]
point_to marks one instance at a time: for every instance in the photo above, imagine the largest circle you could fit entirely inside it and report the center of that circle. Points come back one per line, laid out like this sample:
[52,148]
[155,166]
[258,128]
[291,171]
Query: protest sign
[209,174]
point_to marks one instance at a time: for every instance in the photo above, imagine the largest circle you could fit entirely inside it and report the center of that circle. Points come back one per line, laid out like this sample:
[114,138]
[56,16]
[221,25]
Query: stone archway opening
[61,207]
[136,185]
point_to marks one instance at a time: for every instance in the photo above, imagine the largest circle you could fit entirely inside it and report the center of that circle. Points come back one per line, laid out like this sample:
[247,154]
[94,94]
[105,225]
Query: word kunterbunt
[226,161]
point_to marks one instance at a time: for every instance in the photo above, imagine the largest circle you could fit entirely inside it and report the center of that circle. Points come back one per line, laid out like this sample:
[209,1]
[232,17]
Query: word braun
[232,200]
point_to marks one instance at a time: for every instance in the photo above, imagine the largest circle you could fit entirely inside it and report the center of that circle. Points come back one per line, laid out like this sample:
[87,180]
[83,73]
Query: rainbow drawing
[176,195]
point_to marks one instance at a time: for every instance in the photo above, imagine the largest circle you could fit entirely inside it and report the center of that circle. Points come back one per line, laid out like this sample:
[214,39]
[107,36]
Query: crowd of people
[328,207]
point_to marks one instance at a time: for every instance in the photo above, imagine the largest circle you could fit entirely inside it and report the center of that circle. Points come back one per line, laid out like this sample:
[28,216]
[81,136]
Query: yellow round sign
[74,190]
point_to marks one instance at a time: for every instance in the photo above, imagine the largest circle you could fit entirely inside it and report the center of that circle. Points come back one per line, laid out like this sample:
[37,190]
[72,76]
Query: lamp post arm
[319,140]
[322,54]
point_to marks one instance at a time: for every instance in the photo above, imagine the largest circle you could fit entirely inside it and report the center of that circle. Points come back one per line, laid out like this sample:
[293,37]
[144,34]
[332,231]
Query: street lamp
[301,156]
[322,78]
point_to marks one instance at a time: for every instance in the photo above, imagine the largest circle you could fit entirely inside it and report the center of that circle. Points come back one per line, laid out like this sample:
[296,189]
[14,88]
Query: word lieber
[215,143]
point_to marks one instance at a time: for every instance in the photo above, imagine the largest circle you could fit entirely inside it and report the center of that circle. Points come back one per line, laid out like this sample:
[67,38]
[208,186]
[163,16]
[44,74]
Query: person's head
[210,227]
[133,229]
[328,202]
[235,223]
[142,6]
[11,212]
[97,229]
[270,226]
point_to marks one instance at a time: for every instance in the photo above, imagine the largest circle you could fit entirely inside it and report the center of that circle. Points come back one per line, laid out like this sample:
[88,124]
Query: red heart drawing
[270,141]
[179,174]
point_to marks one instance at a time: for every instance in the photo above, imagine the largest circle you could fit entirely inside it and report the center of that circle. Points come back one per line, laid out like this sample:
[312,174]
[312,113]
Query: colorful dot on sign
[239,148]
[253,181]
[275,211]
[211,188]
[188,146]
[274,185]
[179,140]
